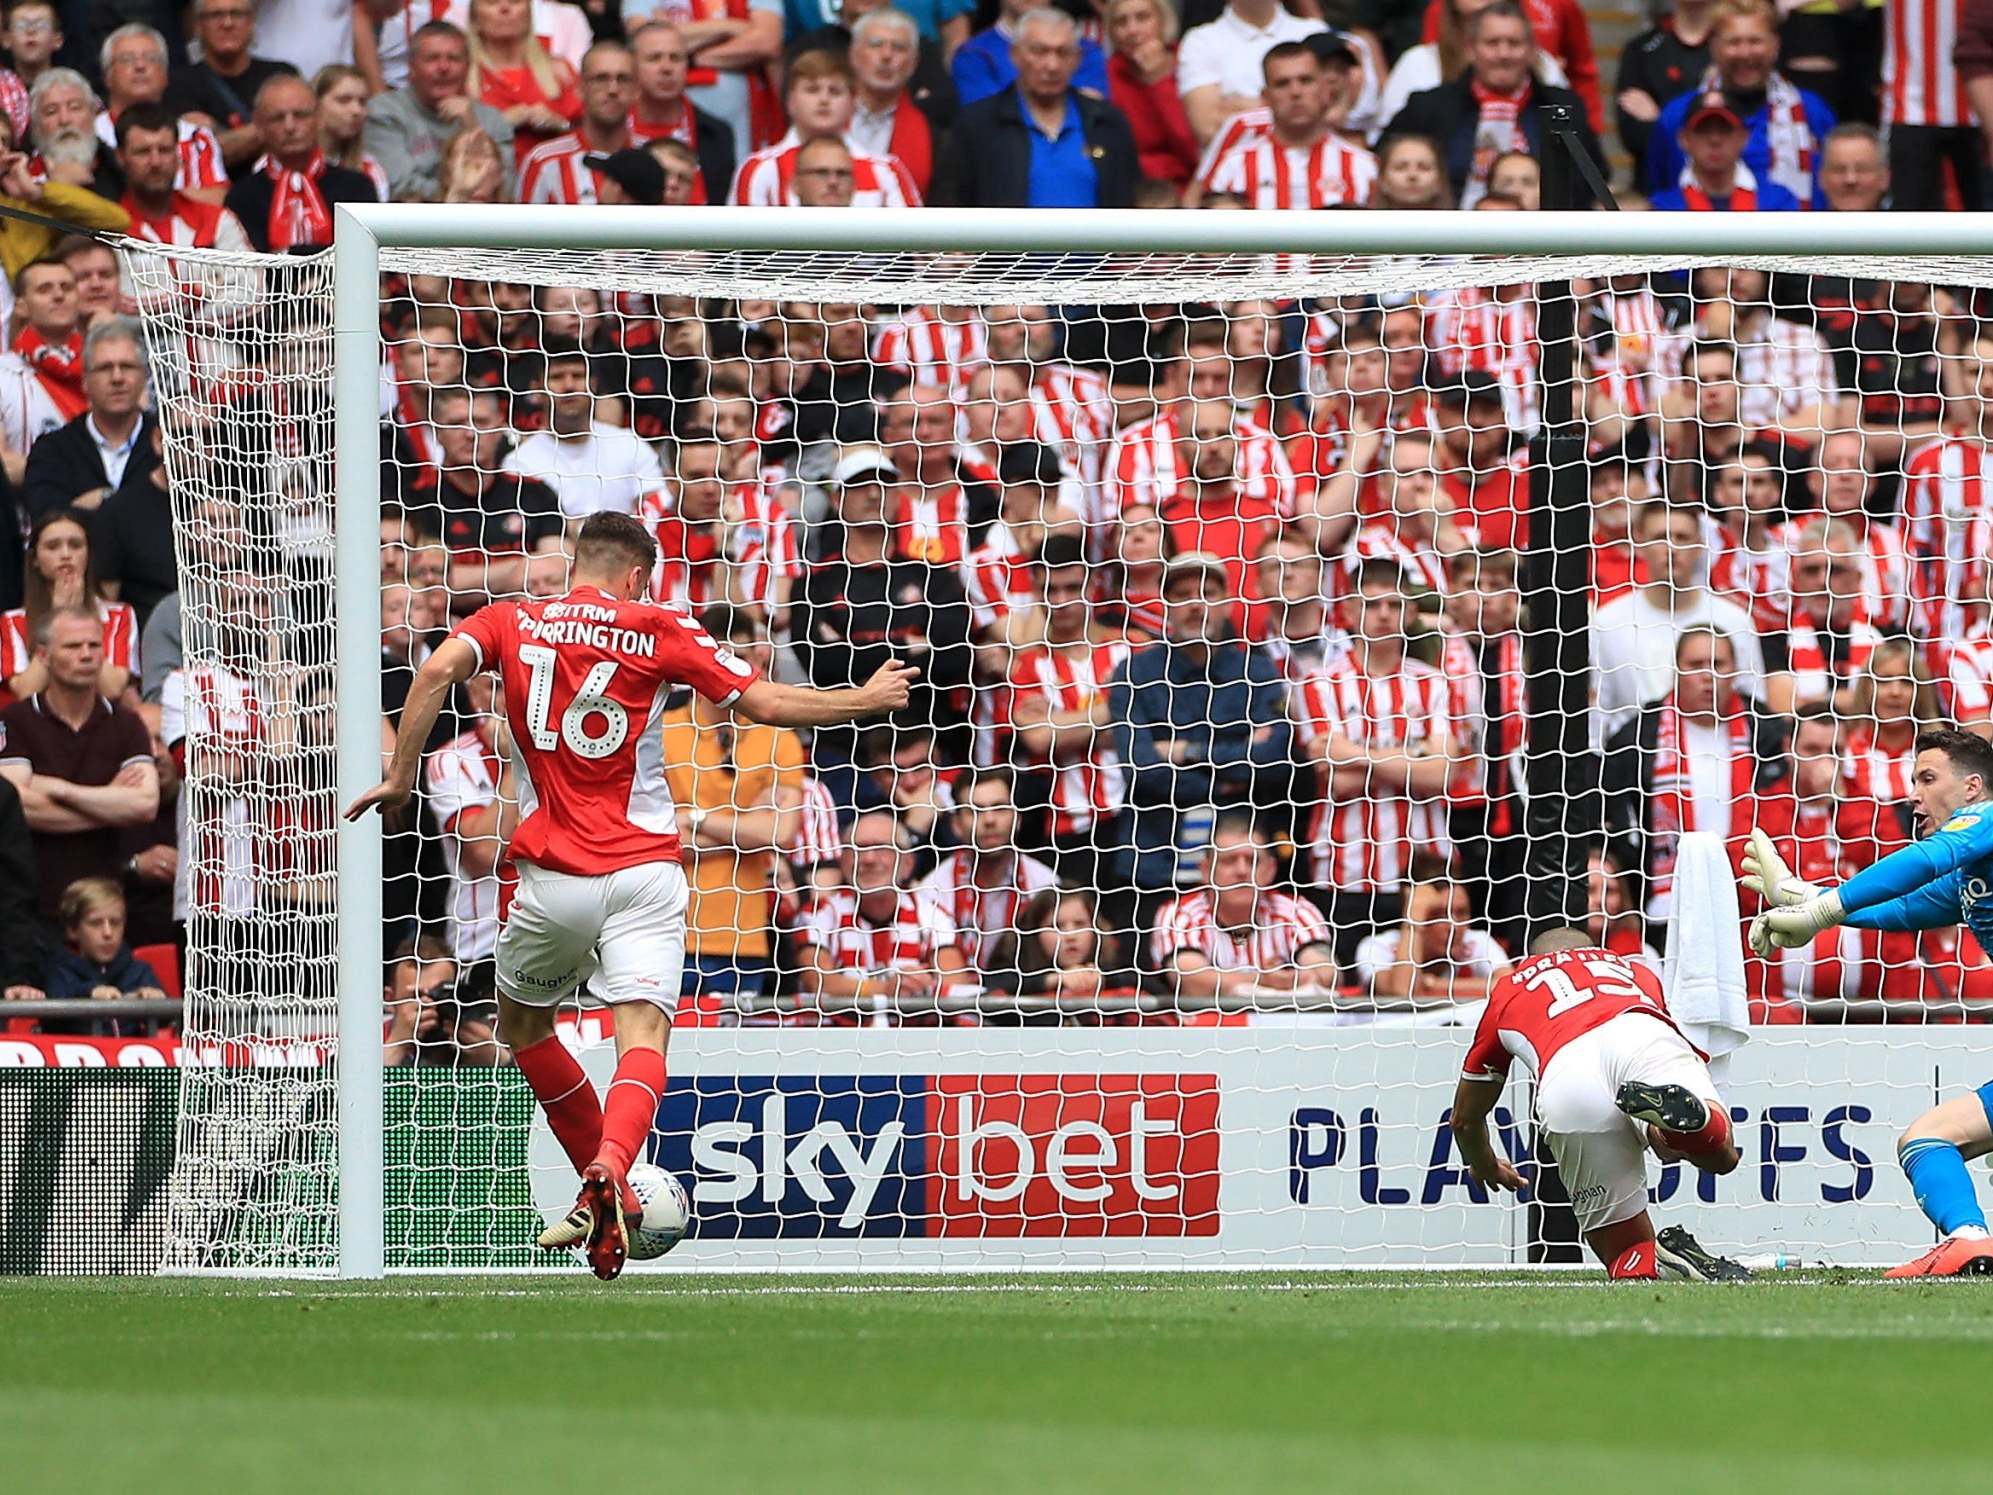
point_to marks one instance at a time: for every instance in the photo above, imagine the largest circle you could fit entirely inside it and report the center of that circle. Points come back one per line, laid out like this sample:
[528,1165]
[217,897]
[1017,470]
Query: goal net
[1299,635]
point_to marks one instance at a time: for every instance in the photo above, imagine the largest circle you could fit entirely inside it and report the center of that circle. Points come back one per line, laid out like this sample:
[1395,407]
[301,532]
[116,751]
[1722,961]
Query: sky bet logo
[947,1155]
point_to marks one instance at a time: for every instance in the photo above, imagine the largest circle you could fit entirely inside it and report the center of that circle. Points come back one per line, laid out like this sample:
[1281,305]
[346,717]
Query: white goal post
[989,256]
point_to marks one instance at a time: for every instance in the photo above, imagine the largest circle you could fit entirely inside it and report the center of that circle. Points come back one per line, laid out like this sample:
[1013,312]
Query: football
[666,1212]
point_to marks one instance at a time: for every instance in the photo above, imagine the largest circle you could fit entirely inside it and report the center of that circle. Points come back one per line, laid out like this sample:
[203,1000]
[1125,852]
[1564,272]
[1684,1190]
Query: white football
[666,1212]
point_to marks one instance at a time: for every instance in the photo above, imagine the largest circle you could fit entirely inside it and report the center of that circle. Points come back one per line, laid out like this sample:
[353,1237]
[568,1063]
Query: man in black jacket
[20,931]
[1040,143]
[286,203]
[663,110]
[81,464]
[1493,108]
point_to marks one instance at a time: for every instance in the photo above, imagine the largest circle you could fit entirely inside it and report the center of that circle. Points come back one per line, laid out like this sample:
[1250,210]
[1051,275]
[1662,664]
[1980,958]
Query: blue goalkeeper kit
[1946,878]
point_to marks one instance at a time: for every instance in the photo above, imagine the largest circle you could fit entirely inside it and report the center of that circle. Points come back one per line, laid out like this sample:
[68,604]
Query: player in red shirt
[601,892]
[1614,1077]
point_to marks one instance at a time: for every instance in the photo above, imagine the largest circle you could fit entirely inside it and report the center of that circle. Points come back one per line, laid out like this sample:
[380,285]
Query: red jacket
[1164,146]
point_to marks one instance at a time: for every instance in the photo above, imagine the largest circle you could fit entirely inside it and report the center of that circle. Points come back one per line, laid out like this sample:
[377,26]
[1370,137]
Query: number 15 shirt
[1546,1002]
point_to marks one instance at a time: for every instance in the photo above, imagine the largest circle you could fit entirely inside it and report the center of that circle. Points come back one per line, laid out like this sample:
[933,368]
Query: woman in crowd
[1894,700]
[511,71]
[59,574]
[1061,953]
[1517,176]
[1410,175]
[342,115]
[1141,82]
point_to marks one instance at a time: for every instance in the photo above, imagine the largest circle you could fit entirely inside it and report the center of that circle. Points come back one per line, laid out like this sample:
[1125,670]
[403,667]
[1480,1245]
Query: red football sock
[1714,1136]
[629,1110]
[1634,1264]
[565,1095]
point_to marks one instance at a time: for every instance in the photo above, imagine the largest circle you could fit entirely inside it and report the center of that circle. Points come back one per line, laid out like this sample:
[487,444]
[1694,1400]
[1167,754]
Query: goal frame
[361,232]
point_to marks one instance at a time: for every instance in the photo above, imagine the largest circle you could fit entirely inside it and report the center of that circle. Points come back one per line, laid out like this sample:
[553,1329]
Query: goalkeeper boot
[1678,1243]
[608,1243]
[1672,1108]
[1954,1256]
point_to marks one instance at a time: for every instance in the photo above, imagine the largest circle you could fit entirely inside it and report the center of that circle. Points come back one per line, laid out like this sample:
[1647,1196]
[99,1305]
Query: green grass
[1347,1382]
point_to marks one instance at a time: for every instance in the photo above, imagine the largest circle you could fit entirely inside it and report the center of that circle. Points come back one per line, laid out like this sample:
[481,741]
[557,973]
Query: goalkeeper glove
[1766,874]
[1789,928]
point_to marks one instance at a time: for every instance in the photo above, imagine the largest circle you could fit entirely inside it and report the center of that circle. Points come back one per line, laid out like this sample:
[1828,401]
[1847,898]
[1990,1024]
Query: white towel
[1704,970]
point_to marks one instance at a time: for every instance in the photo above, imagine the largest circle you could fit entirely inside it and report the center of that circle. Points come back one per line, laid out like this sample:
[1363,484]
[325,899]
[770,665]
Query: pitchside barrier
[990,1150]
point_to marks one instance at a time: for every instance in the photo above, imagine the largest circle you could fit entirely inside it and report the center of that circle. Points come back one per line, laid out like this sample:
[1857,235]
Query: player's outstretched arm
[1893,893]
[453,663]
[1473,1100]
[803,706]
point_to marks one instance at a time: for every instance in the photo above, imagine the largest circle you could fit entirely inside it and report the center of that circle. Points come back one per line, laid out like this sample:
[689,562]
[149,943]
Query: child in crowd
[97,962]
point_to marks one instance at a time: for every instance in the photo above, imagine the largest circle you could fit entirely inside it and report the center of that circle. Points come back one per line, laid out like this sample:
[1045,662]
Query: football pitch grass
[1345,1382]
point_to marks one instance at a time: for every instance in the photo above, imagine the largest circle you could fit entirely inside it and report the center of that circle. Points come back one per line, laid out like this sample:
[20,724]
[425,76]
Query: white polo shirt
[607,469]
[1229,50]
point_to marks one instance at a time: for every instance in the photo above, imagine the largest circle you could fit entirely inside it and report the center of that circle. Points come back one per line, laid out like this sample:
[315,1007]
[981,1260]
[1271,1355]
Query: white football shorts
[626,929]
[1601,1152]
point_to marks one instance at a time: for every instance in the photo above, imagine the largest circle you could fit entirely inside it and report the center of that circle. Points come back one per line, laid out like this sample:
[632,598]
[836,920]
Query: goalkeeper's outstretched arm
[1915,887]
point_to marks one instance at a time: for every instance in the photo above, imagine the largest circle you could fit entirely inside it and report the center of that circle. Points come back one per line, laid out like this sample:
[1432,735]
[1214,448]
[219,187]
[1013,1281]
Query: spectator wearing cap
[664,112]
[407,128]
[1785,123]
[567,168]
[285,205]
[1715,180]
[895,114]
[630,175]
[1197,720]
[1141,80]
[1041,142]
[1496,106]
[864,603]
[1668,57]
[986,64]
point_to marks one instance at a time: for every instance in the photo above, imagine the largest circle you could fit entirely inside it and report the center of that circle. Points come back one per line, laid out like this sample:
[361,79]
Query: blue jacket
[1772,198]
[1664,154]
[71,976]
[1944,879]
[1230,707]
[982,67]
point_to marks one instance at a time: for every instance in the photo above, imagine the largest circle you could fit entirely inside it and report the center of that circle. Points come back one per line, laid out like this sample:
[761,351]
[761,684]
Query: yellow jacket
[22,243]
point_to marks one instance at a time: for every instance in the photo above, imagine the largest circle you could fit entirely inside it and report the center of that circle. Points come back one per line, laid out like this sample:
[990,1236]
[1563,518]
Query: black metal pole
[1557,641]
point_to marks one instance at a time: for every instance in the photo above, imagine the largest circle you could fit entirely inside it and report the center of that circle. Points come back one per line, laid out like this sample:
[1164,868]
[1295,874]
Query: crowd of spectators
[1218,606]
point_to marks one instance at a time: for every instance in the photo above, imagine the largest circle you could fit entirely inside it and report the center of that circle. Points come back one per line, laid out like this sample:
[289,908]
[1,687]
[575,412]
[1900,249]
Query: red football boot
[1954,1256]
[603,1189]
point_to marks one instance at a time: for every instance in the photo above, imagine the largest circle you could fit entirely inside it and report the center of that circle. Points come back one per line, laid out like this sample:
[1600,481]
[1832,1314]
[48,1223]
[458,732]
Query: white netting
[1299,806]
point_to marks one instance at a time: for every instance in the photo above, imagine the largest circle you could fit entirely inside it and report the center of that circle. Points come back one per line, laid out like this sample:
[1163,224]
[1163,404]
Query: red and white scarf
[1787,134]
[1673,796]
[299,217]
[59,366]
[1498,133]
[1743,192]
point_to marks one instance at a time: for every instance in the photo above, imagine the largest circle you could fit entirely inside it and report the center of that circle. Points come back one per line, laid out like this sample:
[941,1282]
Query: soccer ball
[666,1212]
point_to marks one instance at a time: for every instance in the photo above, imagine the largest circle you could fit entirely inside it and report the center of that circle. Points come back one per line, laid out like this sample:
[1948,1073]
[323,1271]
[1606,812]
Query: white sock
[1971,1233]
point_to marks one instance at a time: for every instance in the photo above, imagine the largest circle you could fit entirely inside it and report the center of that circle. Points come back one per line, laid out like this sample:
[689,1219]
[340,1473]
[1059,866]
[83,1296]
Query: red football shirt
[586,678]
[1546,1002]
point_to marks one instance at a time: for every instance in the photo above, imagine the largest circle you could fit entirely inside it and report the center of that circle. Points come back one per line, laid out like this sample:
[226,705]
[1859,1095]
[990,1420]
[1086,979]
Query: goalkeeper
[1946,878]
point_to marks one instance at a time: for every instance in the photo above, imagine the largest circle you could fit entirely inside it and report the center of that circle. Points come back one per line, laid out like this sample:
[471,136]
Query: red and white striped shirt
[817,836]
[206,709]
[1782,367]
[1945,517]
[1368,842]
[1964,671]
[981,914]
[1267,174]
[120,639]
[461,776]
[1142,468]
[1240,130]
[996,578]
[1081,399]
[1814,676]
[763,540]
[767,179]
[932,349]
[1920,84]
[932,524]
[1282,927]
[1473,331]
[1091,787]
[201,164]
[189,224]
[1377,540]
[917,931]
[554,173]
[1873,773]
